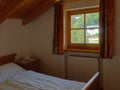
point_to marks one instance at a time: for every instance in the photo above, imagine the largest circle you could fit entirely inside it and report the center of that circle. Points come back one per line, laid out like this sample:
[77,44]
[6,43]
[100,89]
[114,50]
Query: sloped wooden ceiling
[27,10]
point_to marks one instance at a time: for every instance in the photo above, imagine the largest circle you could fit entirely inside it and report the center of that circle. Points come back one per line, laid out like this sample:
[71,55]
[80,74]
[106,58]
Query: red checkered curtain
[106,28]
[58,29]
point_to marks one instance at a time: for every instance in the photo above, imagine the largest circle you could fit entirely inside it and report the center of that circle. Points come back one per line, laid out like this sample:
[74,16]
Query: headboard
[7,59]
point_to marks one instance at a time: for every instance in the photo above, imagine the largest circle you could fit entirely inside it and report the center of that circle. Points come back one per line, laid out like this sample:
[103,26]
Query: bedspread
[30,80]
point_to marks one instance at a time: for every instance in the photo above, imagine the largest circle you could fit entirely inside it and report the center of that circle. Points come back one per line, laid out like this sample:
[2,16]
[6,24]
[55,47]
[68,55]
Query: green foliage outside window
[88,22]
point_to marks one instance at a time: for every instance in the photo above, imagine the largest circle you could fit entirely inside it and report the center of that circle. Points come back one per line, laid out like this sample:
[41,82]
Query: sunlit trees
[85,28]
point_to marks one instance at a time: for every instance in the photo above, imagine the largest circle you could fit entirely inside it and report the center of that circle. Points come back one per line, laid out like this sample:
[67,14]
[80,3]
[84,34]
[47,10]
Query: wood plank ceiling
[27,10]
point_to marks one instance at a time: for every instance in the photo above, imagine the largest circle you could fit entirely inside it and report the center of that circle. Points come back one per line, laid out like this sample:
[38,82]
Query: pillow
[8,70]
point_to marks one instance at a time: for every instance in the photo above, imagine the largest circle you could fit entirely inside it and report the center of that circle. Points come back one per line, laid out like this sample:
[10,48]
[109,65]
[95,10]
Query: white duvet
[30,80]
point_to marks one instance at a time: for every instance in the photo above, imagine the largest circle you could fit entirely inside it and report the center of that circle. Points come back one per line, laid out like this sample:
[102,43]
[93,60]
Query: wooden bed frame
[92,84]
[7,59]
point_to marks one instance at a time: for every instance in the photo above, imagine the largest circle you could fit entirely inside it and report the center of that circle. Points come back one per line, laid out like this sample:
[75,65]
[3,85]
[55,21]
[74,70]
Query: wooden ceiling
[27,10]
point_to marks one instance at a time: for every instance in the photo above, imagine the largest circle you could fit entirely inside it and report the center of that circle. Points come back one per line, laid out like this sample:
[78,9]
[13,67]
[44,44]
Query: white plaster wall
[80,4]
[14,38]
[41,44]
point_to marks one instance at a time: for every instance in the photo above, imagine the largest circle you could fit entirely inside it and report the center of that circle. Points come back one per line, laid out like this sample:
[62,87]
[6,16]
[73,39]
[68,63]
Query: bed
[14,77]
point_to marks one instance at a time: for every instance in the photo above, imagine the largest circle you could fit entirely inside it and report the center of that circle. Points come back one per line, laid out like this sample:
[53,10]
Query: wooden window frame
[94,48]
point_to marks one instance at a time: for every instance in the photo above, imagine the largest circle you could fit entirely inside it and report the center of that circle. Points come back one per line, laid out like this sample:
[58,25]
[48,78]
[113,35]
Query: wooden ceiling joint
[8,10]
[38,10]
[27,10]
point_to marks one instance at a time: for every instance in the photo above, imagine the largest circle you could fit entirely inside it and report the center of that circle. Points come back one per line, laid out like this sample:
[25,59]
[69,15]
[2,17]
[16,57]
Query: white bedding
[8,70]
[30,80]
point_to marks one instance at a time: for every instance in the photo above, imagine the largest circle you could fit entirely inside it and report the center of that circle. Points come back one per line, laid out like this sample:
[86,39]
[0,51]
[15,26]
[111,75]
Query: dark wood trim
[7,59]
[7,11]
[38,10]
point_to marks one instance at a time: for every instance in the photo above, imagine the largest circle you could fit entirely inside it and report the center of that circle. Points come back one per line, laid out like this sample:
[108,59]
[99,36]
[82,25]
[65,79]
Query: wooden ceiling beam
[21,4]
[38,10]
[20,9]
[7,11]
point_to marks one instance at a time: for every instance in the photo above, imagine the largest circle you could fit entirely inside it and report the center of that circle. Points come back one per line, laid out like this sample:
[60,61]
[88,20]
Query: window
[82,30]
[105,45]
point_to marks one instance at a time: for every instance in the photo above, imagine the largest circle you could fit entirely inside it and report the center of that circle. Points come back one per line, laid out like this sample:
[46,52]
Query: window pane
[77,36]
[77,21]
[92,36]
[92,20]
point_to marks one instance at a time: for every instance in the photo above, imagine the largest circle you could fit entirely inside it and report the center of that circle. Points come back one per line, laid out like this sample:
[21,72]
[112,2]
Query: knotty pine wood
[27,10]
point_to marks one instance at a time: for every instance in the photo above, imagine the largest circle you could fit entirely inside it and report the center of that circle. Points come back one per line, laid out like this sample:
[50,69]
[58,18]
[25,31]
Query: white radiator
[80,68]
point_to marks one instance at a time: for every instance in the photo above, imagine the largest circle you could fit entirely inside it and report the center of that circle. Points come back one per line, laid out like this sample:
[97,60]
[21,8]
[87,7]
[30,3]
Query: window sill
[80,50]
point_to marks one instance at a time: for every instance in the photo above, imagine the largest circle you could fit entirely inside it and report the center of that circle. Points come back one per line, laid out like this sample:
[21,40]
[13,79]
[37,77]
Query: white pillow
[8,70]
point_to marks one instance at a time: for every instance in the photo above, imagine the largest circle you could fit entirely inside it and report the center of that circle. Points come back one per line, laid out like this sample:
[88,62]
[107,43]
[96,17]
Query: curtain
[106,28]
[58,29]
